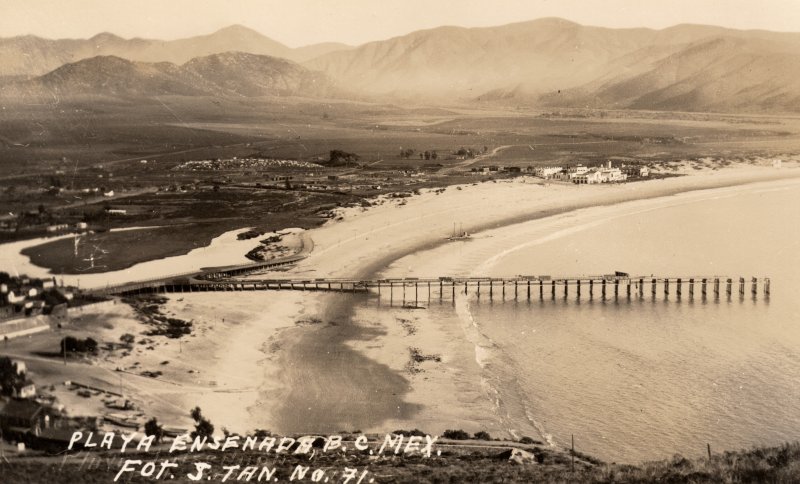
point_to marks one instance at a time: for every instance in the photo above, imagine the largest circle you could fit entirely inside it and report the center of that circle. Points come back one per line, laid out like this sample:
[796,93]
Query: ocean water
[642,379]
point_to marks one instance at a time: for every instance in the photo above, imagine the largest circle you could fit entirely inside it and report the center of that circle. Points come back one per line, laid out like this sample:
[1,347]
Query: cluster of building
[23,296]
[243,163]
[584,175]
[485,170]
[29,419]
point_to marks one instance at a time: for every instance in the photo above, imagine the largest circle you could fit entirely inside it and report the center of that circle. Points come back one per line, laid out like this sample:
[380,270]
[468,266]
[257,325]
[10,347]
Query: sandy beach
[312,362]
[385,239]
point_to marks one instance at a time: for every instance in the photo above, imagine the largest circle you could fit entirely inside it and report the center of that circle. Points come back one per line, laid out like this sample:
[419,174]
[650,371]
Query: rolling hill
[230,74]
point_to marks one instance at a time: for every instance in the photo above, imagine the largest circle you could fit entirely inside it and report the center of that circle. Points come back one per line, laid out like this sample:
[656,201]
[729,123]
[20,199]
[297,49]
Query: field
[69,163]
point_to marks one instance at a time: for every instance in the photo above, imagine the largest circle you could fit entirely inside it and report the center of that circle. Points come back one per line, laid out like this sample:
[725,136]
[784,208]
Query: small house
[19,417]
[26,389]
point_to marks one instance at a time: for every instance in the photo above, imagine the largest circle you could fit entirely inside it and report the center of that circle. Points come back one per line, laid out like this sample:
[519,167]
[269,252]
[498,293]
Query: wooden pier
[604,287]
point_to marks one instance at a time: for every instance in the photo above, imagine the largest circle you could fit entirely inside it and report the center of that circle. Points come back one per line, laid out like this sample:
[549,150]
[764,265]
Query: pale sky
[302,22]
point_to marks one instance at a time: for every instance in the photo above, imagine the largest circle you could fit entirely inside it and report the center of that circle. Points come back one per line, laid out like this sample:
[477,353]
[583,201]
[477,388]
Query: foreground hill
[553,62]
[458,462]
[33,56]
[227,74]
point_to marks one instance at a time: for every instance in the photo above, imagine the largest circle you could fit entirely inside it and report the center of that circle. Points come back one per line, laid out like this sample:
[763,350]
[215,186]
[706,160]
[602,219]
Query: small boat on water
[460,235]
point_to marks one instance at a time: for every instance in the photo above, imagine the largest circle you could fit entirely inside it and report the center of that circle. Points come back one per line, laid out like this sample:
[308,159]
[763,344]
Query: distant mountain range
[544,63]
[33,56]
[553,62]
[230,74]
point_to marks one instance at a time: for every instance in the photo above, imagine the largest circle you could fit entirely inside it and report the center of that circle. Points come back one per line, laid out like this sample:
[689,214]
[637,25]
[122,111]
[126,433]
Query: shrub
[455,435]
[410,433]
[151,427]
[482,435]
[203,427]
[75,345]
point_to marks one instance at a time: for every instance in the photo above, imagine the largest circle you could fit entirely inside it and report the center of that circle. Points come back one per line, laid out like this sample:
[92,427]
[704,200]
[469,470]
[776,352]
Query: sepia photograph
[399,241]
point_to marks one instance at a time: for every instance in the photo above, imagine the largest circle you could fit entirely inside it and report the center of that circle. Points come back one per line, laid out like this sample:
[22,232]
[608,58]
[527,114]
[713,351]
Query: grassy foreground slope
[457,464]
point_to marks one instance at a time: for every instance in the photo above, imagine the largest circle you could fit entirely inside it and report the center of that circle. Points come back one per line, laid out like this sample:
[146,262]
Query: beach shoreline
[387,347]
[323,364]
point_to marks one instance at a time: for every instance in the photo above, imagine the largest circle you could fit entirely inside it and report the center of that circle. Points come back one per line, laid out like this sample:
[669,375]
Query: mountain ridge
[552,62]
[228,74]
[544,63]
[30,55]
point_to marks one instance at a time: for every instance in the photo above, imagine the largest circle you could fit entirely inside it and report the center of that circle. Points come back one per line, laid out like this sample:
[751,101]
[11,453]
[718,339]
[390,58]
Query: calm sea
[645,379]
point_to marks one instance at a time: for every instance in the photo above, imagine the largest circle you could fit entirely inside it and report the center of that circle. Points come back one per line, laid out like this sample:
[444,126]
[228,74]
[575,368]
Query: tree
[10,378]
[406,153]
[339,157]
[90,345]
[74,345]
[202,427]
[151,427]
[127,339]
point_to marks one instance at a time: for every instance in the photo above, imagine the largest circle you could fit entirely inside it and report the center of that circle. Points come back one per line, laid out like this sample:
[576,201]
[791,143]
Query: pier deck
[518,287]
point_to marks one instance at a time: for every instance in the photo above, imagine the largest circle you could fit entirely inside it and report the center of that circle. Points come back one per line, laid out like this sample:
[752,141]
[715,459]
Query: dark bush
[410,433]
[75,345]
[455,435]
